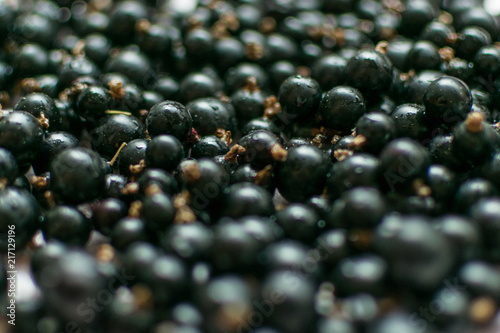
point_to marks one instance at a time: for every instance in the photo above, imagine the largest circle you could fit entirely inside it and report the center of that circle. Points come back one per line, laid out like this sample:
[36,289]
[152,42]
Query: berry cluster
[323,166]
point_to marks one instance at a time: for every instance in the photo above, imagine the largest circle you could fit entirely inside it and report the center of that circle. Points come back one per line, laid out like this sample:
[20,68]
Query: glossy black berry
[115,130]
[486,214]
[164,152]
[209,146]
[66,224]
[210,114]
[464,234]
[470,40]
[158,212]
[361,207]
[167,87]
[169,117]
[487,61]
[303,174]
[356,170]
[205,179]
[295,313]
[236,77]
[74,68]
[409,121]
[190,241]
[234,248]
[131,160]
[261,148]
[447,100]
[440,148]
[41,107]
[127,231]
[246,199]
[77,175]
[415,16]
[412,246]
[299,222]
[474,140]
[197,85]
[123,18]
[373,130]
[480,278]
[369,71]
[93,102]
[248,102]
[8,167]
[20,212]
[471,191]
[247,173]
[401,162]
[157,178]
[439,33]
[54,143]
[133,64]
[299,96]
[21,134]
[341,107]
[106,213]
[361,274]
[260,124]
[31,60]
[424,55]
[329,71]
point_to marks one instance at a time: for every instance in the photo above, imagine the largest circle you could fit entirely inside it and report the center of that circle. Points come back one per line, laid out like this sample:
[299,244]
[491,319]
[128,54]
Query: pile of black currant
[249,166]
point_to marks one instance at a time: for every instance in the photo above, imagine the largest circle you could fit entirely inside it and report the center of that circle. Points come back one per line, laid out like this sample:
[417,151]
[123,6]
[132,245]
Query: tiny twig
[279,153]
[234,152]
[115,157]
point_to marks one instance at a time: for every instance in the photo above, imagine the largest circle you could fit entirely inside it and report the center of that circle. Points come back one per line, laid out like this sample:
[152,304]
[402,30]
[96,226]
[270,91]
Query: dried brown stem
[49,196]
[30,85]
[43,121]
[304,71]
[152,189]
[39,182]
[143,297]
[116,89]
[482,310]
[115,157]
[137,168]
[232,154]
[447,53]
[105,253]
[263,175]
[142,26]
[3,183]
[474,122]
[271,107]
[184,214]
[445,18]
[358,142]
[382,47]
[191,172]
[113,112]
[224,135]
[421,189]
[135,209]
[342,154]
[251,85]
[79,48]
[254,51]
[267,25]
[130,188]
[279,153]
